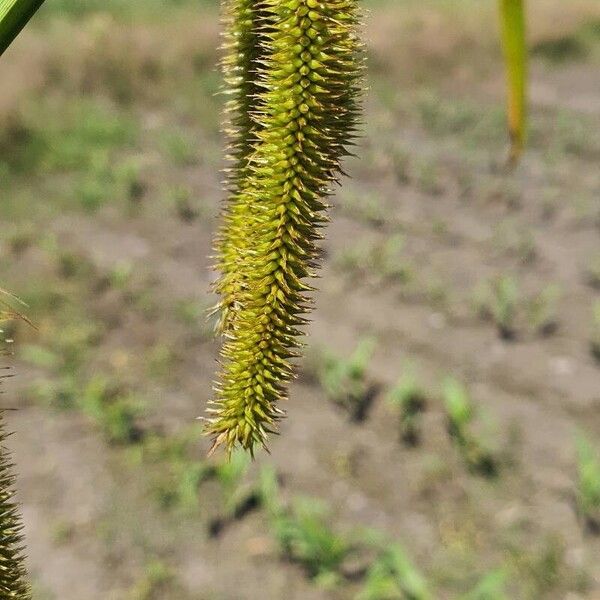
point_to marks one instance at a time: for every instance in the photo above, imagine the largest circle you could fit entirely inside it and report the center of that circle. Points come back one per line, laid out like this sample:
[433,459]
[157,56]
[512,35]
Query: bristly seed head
[304,113]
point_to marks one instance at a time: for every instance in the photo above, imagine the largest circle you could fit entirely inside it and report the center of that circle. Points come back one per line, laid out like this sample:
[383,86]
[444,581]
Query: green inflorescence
[13,584]
[303,118]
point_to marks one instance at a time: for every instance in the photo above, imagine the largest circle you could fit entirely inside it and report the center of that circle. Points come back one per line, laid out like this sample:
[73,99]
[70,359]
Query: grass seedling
[498,301]
[460,413]
[115,412]
[383,259]
[157,579]
[543,309]
[345,380]
[181,473]
[492,586]
[305,538]
[588,486]
[302,533]
[504,303]
[240,496]
[393,577]
[409,398]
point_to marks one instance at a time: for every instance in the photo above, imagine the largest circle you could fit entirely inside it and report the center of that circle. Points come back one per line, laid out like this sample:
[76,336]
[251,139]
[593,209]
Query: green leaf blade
[515,53]
[14,15]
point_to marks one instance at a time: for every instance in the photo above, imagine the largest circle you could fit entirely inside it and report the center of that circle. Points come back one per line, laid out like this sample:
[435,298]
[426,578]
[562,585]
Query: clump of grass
[588,483]
[384,260]
[180,474]
[410,399]
[365,207]
[184,207]
[240,496]
[114,411]
[498,300]
[492,586]
[157,579]
[543,310]
[393,576]
[303,535]
[460,413]
[345,381]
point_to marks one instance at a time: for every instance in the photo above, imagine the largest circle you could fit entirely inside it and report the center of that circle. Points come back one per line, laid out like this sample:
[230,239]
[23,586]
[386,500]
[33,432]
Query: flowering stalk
[306,112]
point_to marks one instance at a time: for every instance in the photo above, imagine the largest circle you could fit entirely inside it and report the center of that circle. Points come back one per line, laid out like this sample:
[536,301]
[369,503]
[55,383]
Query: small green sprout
[410,399]
[505,299]
[393,577]
[305,538]
[543,308]
[345,380]
[595,341]
[460,413]
[113,410]
[498,300]
[383,259]
[302,533]
[588,485]
[492,586]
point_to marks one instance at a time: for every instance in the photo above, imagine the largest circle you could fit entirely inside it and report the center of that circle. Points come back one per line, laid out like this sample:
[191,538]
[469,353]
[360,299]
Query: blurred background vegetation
[442,437]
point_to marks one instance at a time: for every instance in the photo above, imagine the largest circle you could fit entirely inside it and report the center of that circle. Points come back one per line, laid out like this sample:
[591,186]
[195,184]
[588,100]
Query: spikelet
[306,115]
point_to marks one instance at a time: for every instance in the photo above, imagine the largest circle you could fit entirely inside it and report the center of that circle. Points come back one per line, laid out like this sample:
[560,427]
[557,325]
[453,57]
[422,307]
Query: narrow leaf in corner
[14,15]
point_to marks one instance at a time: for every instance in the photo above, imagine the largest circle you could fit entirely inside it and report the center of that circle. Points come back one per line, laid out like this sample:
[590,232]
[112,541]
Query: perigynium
[303,121]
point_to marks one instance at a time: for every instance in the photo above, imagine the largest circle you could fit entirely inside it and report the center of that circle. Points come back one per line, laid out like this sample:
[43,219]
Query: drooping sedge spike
[13,583]
[310,78]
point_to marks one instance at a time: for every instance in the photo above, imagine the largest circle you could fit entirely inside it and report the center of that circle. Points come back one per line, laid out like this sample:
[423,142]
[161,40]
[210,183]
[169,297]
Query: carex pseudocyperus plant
[292,72]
